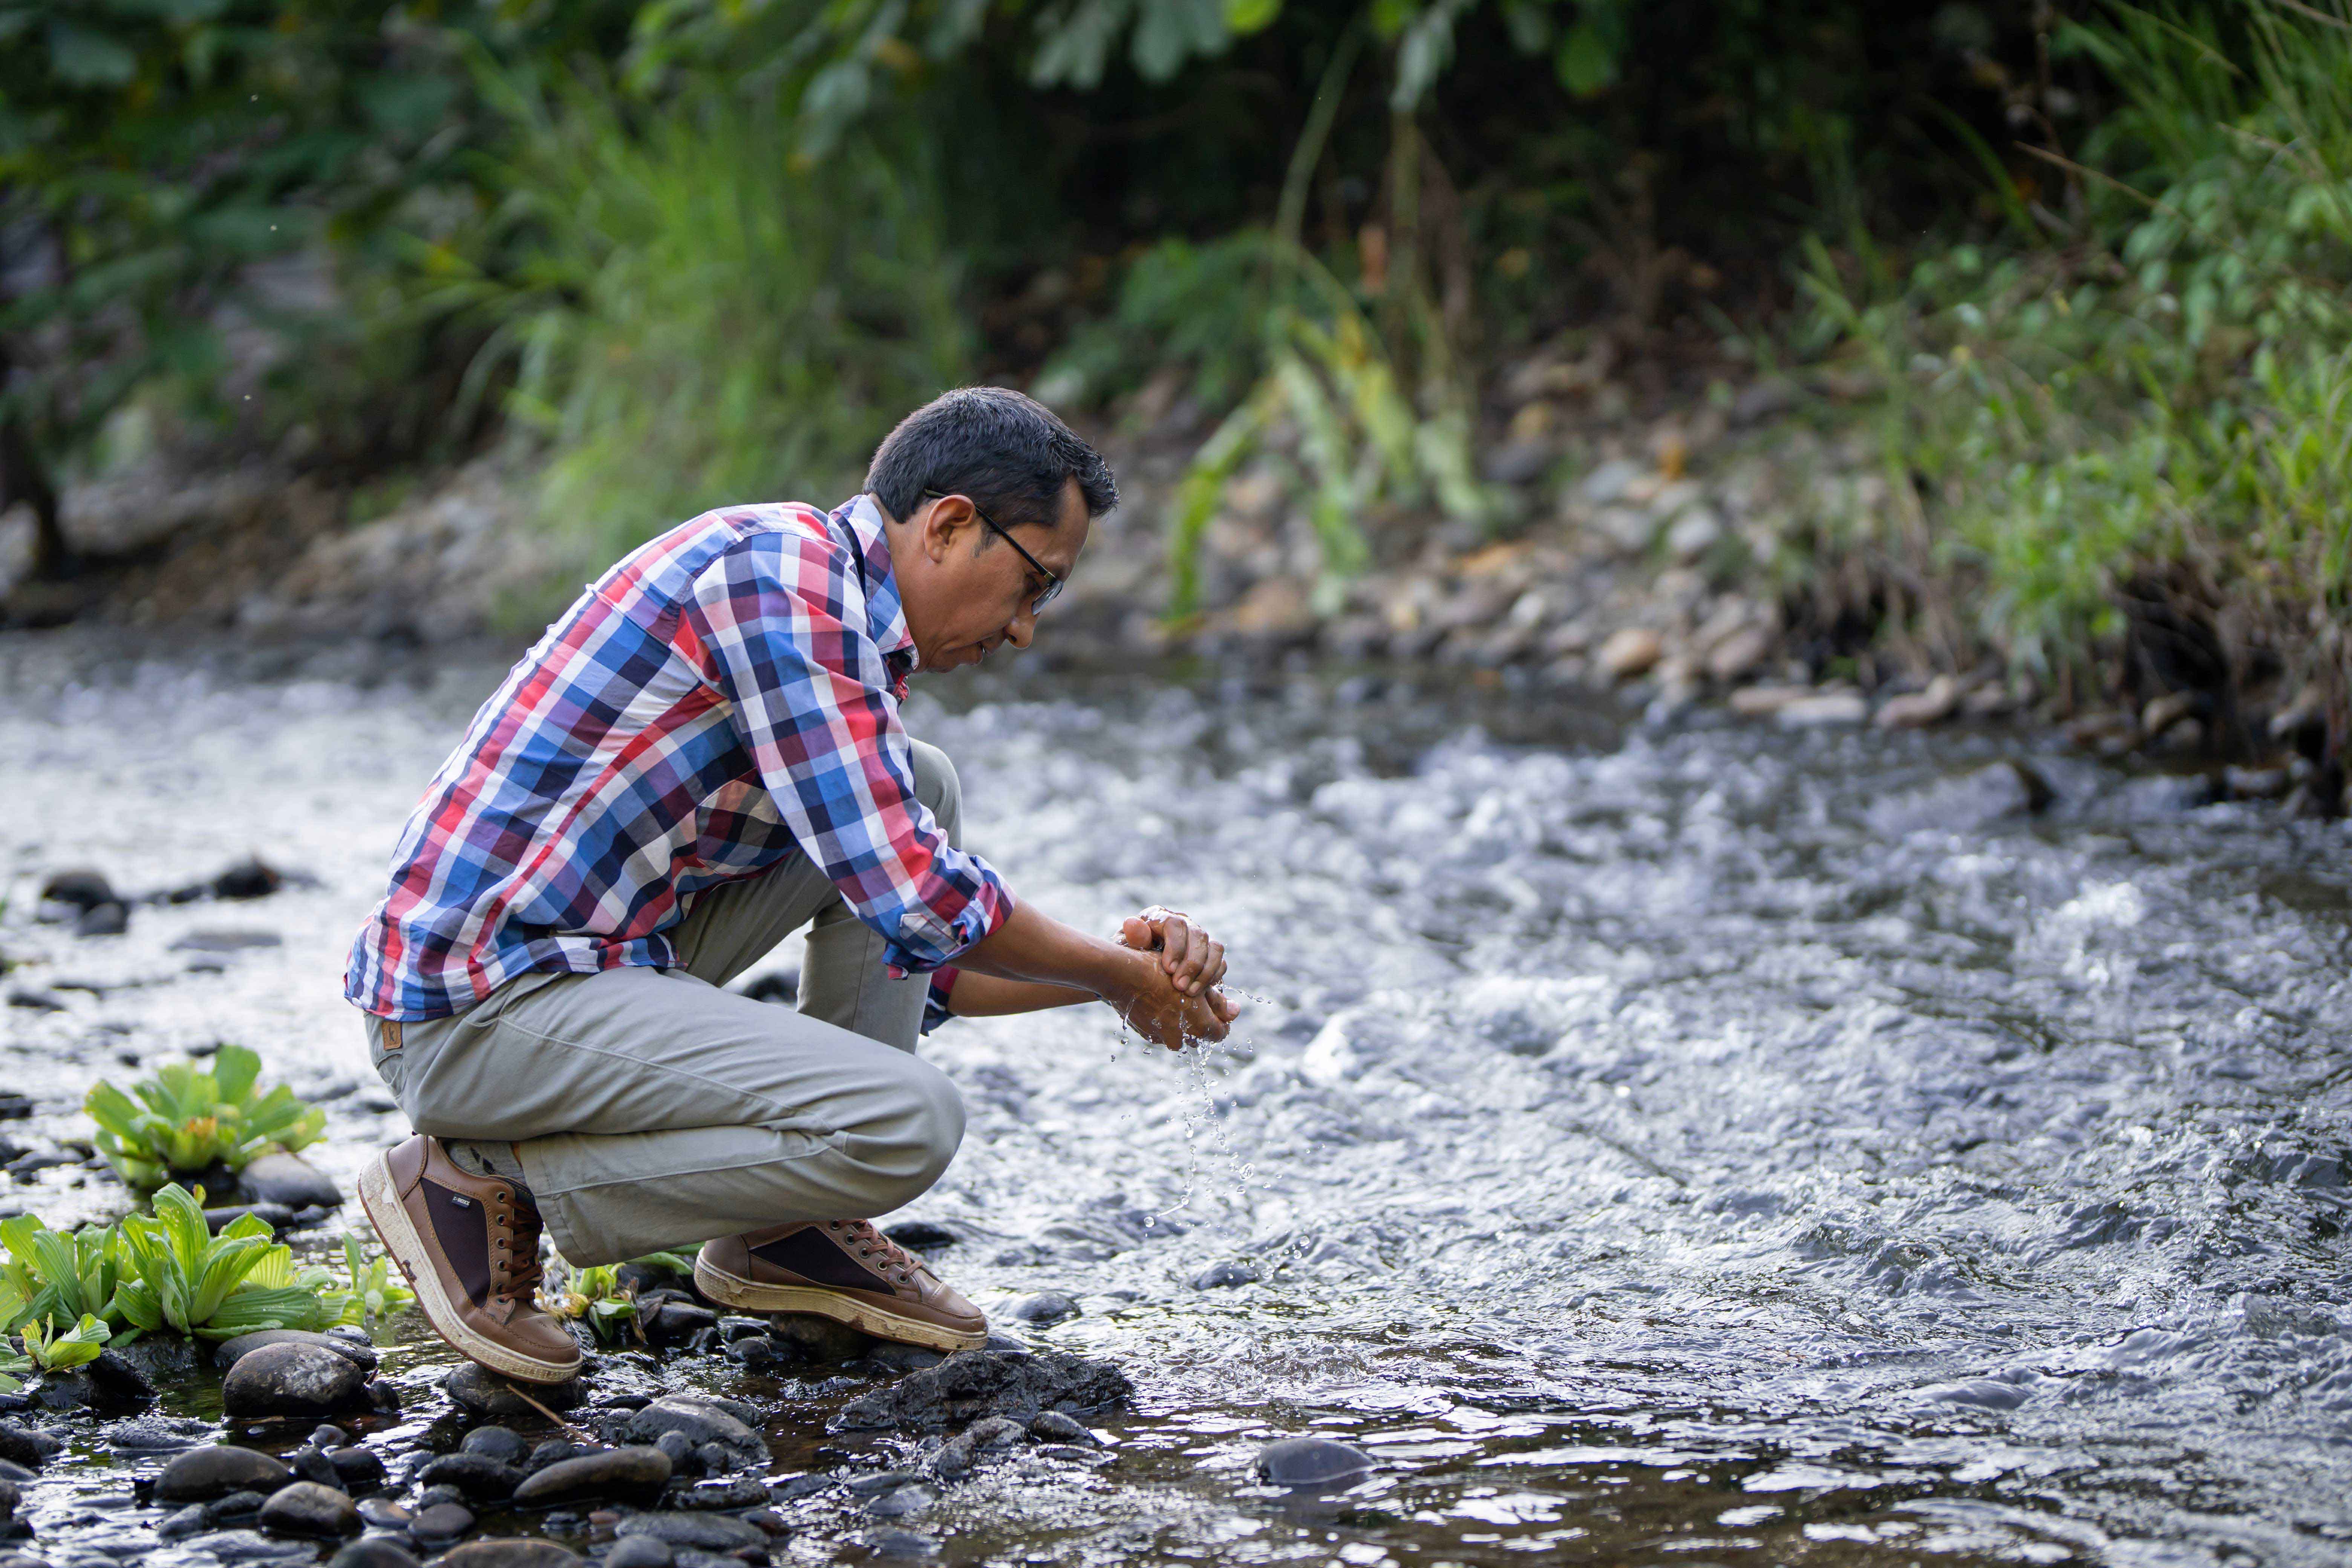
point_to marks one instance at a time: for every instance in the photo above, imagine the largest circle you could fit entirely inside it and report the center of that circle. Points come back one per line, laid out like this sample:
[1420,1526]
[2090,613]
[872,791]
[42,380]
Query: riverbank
[1730,549]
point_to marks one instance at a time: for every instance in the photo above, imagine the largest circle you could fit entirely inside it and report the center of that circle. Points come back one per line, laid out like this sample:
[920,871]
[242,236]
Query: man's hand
[1193,961]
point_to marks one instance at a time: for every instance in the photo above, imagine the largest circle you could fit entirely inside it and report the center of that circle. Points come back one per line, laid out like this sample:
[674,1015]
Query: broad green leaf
[1586,63]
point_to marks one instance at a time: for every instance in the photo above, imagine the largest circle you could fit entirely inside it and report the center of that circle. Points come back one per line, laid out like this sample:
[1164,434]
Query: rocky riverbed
[1722,1141]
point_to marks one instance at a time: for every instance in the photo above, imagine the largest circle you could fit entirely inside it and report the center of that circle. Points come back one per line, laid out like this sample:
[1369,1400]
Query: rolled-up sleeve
[783,641]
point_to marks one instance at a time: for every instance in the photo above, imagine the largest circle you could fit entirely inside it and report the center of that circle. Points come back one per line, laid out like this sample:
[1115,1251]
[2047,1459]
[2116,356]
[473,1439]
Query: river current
[1711,1145]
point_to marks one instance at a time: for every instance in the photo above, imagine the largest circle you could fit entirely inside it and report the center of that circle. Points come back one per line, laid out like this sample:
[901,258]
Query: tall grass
[702,320]
[2160,390]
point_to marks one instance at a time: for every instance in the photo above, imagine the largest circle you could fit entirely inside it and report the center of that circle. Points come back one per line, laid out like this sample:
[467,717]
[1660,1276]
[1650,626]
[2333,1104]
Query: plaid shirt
[726,695]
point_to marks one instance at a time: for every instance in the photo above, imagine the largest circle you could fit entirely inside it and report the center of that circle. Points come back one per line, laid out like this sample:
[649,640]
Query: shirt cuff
[936,1010]
[989,907]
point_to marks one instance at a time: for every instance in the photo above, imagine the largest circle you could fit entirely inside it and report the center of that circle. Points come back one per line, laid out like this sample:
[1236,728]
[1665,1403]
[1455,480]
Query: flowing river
[1715,1147]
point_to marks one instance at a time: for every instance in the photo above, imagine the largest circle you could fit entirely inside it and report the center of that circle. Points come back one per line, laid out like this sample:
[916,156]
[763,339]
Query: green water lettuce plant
[191,1117]
[372,1287]
[596,1297]
[50,1351]
[50,1275]
[177,1274]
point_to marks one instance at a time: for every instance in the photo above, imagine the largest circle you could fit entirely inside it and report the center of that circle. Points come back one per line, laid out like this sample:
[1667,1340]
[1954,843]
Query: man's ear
[941,523]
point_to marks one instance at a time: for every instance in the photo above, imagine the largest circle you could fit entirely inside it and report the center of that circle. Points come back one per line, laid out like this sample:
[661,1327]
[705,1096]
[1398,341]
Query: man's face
[965,589]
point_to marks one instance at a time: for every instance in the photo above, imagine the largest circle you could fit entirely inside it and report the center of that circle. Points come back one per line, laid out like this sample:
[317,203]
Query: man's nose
[1023,628]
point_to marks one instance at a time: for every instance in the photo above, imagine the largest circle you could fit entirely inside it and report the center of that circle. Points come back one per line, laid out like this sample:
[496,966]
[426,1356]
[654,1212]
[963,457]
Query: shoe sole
[398,1233]
[864,1316]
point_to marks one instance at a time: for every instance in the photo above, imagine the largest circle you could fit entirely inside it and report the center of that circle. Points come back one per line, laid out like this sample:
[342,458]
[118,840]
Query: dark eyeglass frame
[1053,583]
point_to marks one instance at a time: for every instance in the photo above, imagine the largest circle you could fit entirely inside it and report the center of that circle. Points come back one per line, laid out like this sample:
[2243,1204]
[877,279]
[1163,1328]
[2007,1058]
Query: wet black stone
[14,1106]
[372,1552]
[79,886]
[638,1552]
[478,1476]
[730,1329]
[703,1532]
[743,1491]
[902,1358]
[1225,1276]
[382,1397]
[874,1483]
[189,1521]
[289,1178]
[308,1509]
[248,879]
[700,1422]
[509,1553]
[328,1436]
[12,1471]
[10,1496]
[714,1458]
[443,1522]
[358,1469]
[765,1356]
[434,1497]
[675,1323]
[973,1384]
[1053,1427]
[487,1396]
[499,1443]
[162,1358]
[901,1501]
[822,1339]
[1310,1462]
[899,1546]
[110,918]
[252,1546]
[624,1401]
[554,1451]
[679,1447]
[702,1342]
[921,1235]
[235,1510]
[384,1513]
[626,1475]
[290,1379]
[201,1474]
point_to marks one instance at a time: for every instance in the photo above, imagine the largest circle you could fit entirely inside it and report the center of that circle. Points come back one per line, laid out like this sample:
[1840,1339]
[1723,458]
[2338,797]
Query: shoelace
[890,1258]
[516,1237]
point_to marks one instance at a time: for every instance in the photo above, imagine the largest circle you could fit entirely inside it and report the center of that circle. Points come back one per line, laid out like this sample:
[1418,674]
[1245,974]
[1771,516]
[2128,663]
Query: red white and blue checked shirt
[726,695]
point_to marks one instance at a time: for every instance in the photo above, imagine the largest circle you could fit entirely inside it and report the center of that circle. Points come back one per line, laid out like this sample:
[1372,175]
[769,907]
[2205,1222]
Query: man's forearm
[990,996]
[1035,947]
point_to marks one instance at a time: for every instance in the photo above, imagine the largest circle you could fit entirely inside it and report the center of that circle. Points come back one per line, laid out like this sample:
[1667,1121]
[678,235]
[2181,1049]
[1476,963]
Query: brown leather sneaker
[469,1245]
[843,1270]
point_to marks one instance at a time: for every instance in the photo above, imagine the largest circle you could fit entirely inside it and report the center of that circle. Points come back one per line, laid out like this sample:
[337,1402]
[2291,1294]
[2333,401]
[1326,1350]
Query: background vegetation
[2091,259]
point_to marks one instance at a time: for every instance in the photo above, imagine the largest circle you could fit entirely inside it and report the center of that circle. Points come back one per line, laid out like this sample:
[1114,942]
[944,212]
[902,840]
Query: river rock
[700,1422]
[478,1476]
[383,1513]
[1044,1308]
[626,1474]
[250,877]
[901,1501]
[508,1552]
[356,1470]
[921,1235]
[716,1532]
[674,1323]
[24,1446]
[1054,1427]
[82,887]
[638,1552]
[374,1552]
[1225,1276]
[110,918]
[973,1384]
[1629,651]
[487,1396]
[305,1507]
[898,1546]
[722,1496]
[108,1383]
[289,1178]
[1823,709]
[499,1443]
[1311,1462]
[252,1546]
[443,1522]
[294,1379]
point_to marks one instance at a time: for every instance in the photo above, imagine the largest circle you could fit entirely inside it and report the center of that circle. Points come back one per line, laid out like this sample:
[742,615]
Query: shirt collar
[886,616]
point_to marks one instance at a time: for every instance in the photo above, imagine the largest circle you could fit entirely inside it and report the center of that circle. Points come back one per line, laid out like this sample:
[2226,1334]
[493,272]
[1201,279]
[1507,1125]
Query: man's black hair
[1012,454]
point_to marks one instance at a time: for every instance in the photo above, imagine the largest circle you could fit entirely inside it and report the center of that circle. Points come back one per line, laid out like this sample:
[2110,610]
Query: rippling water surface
[1719,1146]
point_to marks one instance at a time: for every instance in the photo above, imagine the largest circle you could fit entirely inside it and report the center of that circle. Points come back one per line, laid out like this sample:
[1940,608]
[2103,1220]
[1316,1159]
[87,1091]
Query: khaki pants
[651,1108]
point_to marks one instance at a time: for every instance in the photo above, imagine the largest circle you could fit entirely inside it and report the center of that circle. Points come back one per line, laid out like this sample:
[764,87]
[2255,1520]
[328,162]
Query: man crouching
[704,754]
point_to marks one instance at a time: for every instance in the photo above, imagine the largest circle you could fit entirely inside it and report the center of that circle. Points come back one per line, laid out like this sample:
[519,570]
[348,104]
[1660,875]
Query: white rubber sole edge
[385,1212]
[754,1297]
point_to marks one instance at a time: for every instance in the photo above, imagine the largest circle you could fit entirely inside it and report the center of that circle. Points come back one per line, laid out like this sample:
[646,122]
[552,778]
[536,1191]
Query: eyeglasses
[1053,582]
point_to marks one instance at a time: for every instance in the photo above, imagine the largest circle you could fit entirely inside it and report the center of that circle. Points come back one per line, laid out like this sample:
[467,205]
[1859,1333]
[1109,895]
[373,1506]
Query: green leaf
[1244,17]
[84,58]
[234,1069]
[1586,63]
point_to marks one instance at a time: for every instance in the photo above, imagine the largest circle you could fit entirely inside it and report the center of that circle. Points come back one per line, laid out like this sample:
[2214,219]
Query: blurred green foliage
[2161,386]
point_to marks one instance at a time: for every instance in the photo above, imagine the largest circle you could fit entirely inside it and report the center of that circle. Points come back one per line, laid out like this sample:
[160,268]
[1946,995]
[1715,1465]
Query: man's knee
[921,1131]
[937,786]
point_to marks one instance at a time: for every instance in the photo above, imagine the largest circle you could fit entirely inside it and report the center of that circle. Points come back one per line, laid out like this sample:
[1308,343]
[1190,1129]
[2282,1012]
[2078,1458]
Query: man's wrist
[1123,976]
